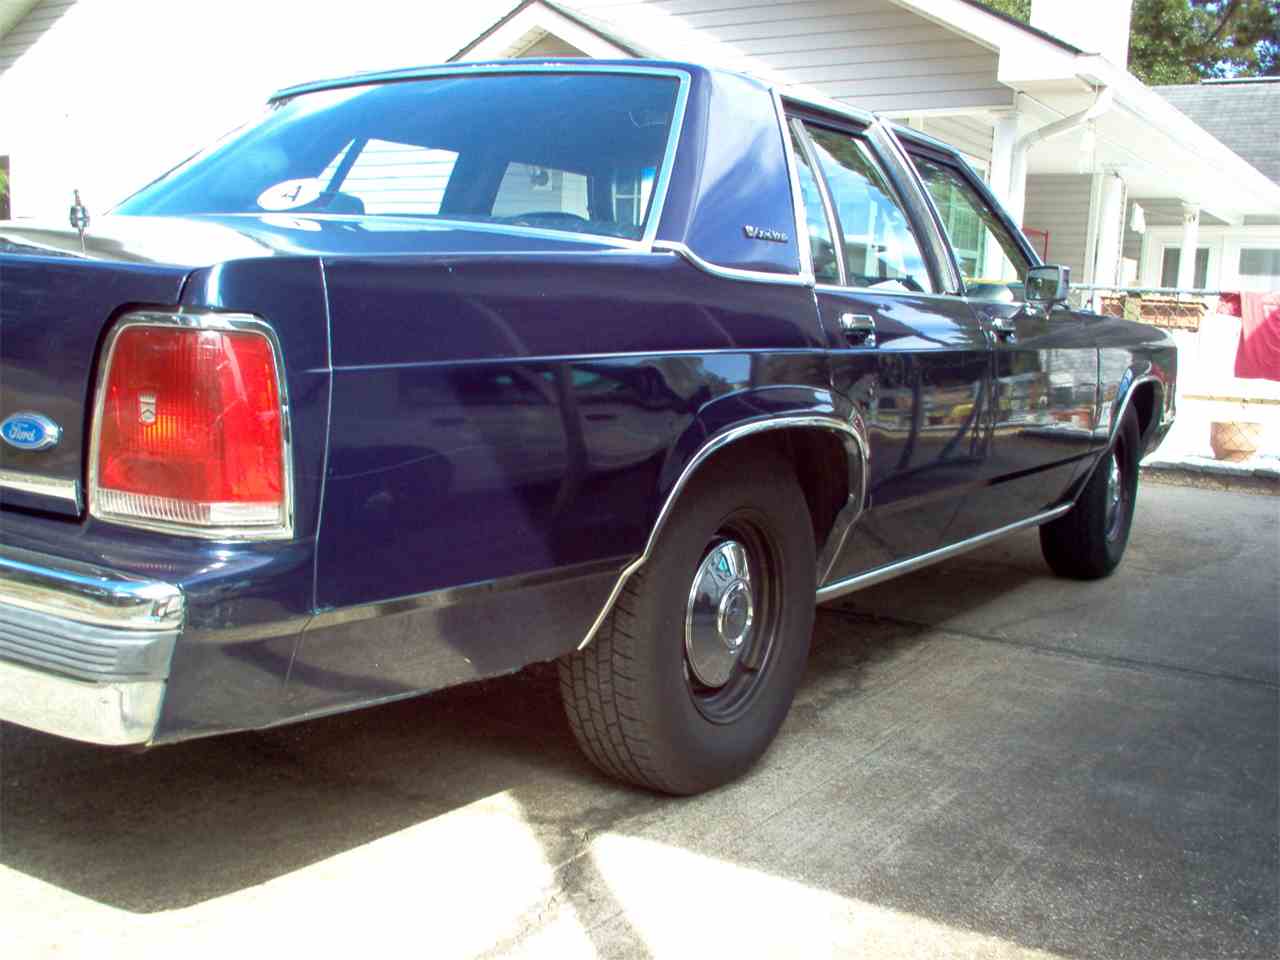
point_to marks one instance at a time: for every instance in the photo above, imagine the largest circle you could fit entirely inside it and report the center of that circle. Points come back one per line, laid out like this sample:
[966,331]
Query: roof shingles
[1244,116]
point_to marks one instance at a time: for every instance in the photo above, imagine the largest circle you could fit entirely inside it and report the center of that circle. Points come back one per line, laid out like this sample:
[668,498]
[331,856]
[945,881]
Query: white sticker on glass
[290,194]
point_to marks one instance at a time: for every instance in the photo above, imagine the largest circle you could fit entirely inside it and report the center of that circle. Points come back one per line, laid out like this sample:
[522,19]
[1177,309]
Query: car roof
[568,65]
[530,65]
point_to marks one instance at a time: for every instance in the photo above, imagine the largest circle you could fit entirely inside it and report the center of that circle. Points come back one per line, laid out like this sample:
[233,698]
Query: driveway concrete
[983,762]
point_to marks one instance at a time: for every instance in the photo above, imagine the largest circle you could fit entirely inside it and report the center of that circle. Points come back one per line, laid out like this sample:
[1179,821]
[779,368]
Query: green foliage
[4,182]
[1014,8]
[1184,41]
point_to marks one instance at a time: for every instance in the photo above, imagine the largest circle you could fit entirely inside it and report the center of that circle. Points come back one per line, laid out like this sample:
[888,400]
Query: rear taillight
[190,432]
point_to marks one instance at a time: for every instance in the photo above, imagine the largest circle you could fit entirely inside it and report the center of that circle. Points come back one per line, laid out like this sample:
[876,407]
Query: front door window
[991,262]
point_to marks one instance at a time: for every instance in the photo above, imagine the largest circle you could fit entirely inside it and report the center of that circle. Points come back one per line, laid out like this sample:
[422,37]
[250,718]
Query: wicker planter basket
[1234,440]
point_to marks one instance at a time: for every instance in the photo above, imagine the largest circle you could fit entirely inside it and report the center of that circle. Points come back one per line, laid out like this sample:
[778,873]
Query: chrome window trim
[797,196]
[883,292]
[54,487]
[827,105]
[828,205]
[937,242]
[733,273]
[661,184]
[858,457]
[833,591]
[197,320]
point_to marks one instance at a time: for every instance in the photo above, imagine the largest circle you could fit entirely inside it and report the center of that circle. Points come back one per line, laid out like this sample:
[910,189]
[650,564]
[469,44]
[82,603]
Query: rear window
[559,151]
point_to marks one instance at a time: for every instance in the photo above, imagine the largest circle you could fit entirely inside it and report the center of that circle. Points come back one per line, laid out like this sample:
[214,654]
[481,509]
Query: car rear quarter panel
[504,432]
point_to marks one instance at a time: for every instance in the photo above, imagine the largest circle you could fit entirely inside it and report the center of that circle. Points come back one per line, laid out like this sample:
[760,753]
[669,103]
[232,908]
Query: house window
[1172,259]
[392,178]
[531,189]
[631,192]
[1260,268]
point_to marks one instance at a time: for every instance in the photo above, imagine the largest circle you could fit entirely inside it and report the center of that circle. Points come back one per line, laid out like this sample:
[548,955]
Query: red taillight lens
[190,431]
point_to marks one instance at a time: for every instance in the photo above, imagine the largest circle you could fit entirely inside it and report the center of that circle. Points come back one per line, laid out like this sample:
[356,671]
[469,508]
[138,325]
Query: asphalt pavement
[984,761]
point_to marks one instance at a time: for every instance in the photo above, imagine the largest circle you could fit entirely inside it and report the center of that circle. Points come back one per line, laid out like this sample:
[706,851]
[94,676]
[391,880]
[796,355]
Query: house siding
[28,31]
[548,45]
[970,134]
[1059,204]
[868,53]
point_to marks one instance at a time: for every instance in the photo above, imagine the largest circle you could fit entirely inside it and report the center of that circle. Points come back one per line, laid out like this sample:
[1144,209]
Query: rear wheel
[693,672]
[1088,542]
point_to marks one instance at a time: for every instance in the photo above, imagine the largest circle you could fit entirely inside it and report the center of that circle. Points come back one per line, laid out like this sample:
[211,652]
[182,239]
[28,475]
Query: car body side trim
[54,487]
[855,448]
[733,273]
[461,594]
[838,589]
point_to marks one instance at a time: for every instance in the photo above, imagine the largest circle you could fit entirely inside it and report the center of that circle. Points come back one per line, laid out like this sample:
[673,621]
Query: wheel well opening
[822,468]
[821,465]
[1144,405]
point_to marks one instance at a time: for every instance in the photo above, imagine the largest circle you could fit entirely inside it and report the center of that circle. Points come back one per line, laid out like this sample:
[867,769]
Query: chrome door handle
[1003,326]
[858,328]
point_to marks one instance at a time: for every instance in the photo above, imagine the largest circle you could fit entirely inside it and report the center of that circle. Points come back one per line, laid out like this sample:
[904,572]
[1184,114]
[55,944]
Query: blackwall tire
[653,700]
[1088,542]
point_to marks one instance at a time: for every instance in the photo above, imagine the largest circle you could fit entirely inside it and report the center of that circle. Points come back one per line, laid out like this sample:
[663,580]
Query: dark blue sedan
[430,375]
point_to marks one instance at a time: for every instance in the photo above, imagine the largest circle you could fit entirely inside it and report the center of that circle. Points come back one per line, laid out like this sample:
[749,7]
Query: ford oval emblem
[30,431]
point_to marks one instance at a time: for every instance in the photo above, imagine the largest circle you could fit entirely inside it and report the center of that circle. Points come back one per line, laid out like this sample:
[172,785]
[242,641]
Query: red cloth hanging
[1258,355]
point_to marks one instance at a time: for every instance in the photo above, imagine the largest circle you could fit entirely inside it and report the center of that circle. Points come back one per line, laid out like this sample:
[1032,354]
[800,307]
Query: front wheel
[693,672]
[1088,542]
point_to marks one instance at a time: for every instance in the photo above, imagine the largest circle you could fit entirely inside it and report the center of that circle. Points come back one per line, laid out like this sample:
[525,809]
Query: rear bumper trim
[84,651]
[112,713]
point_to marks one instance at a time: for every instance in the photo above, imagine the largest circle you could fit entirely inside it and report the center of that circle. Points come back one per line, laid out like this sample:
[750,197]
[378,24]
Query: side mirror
[1047,285]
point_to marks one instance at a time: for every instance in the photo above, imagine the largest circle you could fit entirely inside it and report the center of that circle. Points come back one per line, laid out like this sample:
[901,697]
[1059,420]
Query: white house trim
[528,24]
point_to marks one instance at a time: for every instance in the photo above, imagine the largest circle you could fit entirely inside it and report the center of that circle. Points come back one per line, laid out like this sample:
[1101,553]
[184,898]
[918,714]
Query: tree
[1184,41]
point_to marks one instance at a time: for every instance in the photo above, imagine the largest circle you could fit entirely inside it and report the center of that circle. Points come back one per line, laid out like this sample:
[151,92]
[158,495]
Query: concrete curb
[1258,475]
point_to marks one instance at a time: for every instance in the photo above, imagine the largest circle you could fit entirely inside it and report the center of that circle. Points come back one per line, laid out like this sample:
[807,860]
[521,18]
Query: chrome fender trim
[1122,405]
[1123,408]
[856,451]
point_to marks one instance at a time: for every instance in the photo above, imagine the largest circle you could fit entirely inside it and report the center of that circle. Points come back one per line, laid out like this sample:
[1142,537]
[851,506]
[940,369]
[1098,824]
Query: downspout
[1018,166]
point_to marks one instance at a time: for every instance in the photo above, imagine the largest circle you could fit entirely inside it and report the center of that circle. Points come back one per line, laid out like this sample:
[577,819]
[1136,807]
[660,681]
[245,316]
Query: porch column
[1190,238]
[1012,196]
[1110,230]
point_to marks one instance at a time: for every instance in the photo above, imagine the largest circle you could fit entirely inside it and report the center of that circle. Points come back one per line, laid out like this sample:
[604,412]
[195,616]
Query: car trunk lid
[54,308]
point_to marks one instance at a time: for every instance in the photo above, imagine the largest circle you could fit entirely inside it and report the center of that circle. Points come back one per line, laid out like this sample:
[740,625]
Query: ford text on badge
[30,431]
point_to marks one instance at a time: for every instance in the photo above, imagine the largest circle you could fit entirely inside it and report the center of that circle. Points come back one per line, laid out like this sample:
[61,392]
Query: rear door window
[992,263]
[880,248]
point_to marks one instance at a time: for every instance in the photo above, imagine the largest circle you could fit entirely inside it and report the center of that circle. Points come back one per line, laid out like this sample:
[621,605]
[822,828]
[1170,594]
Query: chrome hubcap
[1115,493]
[720,615]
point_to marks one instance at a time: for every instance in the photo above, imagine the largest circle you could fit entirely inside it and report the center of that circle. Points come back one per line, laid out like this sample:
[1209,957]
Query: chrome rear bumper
[84,651]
